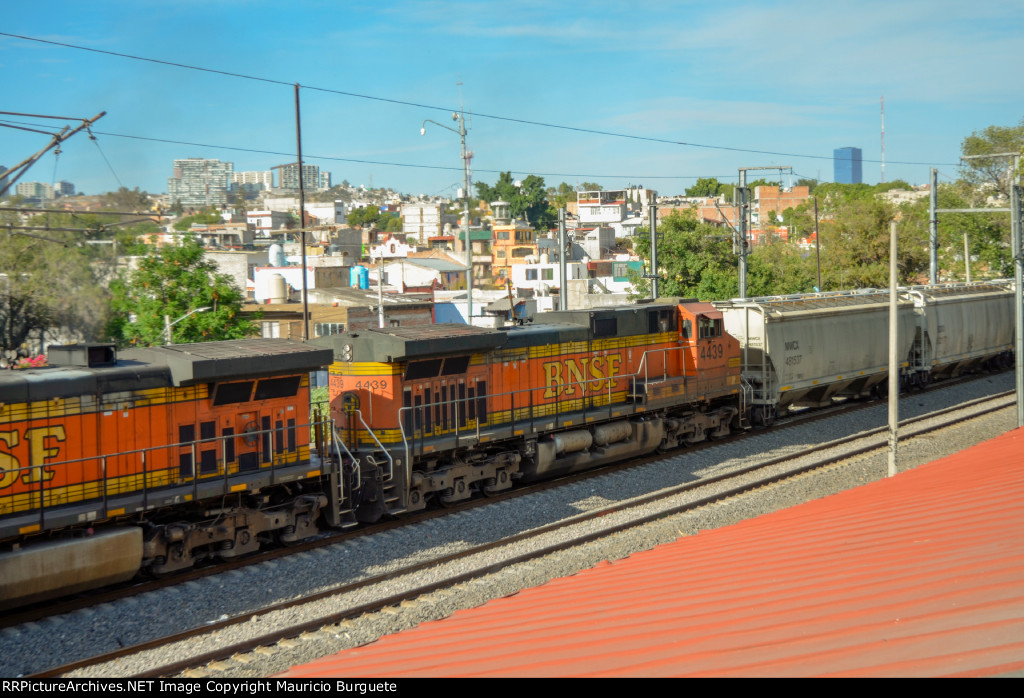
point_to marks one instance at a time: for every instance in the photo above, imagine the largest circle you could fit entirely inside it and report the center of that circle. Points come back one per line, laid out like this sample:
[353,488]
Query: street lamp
[168,324]
[460,117]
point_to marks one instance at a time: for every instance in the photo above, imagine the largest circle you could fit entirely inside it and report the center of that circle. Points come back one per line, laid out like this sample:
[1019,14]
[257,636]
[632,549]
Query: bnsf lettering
[570,377]
[39,452]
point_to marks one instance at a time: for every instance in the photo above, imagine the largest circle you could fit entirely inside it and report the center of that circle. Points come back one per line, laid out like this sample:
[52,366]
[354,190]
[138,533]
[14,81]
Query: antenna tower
[883,139]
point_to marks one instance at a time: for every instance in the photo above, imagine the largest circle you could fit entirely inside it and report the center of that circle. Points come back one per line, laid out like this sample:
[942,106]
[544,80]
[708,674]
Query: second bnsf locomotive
[436,413]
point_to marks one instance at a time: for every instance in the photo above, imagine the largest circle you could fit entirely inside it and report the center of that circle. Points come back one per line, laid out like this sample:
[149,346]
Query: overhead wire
[310,156]
[95,140]
[497,117]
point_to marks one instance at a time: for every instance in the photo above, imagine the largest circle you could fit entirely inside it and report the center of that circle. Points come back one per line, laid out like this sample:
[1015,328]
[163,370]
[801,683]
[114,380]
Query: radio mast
[883,139]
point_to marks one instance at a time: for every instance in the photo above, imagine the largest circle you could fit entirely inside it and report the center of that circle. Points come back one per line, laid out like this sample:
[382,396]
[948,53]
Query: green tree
[51,282]
[562,195]
[172,282]
[210,217]
[780,268]
[125,199]
[705,186]
[527,201]
[695,259]
[365,215]
[992,171]
[811,184]
[854,230]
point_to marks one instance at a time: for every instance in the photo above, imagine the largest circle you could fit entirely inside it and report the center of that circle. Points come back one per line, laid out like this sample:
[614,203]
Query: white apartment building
[423,221]
[200,183]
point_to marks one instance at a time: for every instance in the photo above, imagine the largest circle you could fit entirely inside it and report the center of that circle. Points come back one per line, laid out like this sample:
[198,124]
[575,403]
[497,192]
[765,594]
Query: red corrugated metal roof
[917,575]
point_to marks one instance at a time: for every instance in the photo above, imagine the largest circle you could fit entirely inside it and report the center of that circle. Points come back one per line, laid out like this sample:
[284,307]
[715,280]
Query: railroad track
[200,647]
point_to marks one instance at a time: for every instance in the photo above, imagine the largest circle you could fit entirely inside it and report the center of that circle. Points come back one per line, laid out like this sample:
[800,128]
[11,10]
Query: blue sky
[793,78]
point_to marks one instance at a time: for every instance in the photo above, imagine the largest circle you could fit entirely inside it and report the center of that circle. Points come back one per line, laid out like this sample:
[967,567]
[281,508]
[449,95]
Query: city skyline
[688,92]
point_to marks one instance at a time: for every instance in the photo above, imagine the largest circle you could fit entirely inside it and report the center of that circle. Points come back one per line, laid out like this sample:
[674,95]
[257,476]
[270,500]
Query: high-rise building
[846,163]
[35,190]
[263,178]
[199,182]
[288,176]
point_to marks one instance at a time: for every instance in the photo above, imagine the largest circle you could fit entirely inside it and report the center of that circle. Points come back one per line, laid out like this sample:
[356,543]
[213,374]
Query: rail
[146,472]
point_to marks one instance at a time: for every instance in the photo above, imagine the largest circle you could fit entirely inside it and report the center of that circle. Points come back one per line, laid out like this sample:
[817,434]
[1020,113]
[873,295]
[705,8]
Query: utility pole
[743,212]
[563,300]
[933,229]
[460,117]
[302,220]
[12,175]
[653,274]
[1018,265]
[894,362]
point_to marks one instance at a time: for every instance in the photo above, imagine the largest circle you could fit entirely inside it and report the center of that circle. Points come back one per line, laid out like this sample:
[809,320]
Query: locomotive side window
[231,393]
[661,321]
[606,327]
[418,370]
[270,388]
[454,365]
[709,328]
[687,328]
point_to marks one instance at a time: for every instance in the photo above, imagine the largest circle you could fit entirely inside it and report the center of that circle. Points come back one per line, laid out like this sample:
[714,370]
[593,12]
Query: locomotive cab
[711,352]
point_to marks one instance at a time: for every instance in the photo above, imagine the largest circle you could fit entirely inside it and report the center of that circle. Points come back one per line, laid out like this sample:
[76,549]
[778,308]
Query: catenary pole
[894,365]
[302,219]
[933,230]
[563,291]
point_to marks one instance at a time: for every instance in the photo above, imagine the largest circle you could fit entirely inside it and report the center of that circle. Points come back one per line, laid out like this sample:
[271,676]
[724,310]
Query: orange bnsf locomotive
[154,460]
[438,412]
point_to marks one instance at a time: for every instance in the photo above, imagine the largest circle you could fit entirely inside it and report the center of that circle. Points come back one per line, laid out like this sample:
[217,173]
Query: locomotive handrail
[387,454]
[341,470]
[37,496]
[646,368]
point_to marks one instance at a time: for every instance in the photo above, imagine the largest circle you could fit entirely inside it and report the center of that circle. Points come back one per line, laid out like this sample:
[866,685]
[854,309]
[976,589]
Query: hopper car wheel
[757,416]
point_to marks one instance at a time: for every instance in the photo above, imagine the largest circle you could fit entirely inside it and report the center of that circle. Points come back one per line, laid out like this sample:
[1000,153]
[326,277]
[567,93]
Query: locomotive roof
[400,343]
[244,358]
[423,341]
[159,367]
